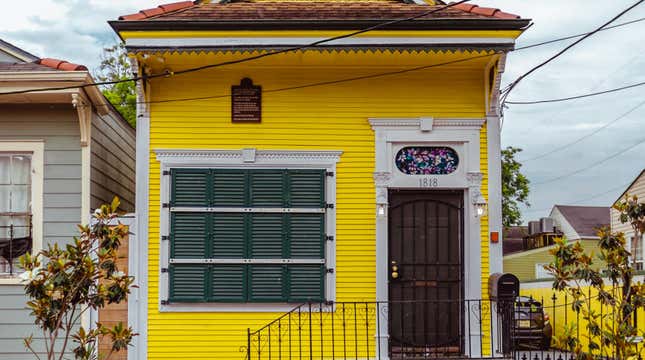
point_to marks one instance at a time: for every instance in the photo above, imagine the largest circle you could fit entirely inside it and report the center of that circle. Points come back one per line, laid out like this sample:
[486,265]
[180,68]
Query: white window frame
[244,159]
[37,150]
[539,269]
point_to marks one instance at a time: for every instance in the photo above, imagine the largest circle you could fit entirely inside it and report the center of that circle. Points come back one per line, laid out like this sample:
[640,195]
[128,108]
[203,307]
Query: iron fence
[387,330]
[15,241]
[523,328]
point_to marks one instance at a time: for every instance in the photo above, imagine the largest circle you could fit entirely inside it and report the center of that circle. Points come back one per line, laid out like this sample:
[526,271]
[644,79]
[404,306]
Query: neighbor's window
[240,235]
[15,210]
[427,160]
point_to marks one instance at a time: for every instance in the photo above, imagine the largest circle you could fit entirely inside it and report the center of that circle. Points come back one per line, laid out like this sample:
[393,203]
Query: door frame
[463,135]
[461,243]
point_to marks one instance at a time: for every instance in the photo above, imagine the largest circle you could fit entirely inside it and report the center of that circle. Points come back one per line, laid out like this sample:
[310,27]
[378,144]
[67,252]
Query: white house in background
[635,245]
[580,222]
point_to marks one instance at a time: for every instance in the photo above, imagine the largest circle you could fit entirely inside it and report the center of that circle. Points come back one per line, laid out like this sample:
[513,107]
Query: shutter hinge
[166,172]
[164,270]
[329,238]
[165,302]
[165,237]
[329,173]
[329,206]
[329,270]
[165,205]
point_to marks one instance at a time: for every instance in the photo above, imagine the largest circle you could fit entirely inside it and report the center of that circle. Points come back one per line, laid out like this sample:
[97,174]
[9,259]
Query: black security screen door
[426,272]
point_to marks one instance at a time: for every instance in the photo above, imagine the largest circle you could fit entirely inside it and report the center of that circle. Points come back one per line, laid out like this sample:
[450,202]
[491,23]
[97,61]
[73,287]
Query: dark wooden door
[426,272]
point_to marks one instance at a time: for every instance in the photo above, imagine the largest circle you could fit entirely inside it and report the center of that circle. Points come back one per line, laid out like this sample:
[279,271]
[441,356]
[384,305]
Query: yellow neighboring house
[359,177]
[530,252]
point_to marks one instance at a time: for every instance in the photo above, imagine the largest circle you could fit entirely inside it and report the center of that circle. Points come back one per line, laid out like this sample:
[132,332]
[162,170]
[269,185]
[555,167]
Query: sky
[594,171]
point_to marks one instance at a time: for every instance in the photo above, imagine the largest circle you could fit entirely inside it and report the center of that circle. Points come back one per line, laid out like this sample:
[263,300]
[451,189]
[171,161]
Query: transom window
[15,209]
[247,235]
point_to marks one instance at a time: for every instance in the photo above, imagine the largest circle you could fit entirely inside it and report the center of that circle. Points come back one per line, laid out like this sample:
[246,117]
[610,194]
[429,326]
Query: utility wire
[621,186]
[559,148]
[583,34]
[327,82]
[593,165]
[577,96]
[251,58]
[512,85]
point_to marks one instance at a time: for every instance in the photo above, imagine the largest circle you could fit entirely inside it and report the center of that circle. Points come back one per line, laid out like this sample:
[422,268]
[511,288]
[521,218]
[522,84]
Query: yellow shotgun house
[332,200]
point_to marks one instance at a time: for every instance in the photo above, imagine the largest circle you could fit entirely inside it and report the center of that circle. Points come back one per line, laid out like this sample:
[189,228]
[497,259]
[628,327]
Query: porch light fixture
[381,210]
[480,205]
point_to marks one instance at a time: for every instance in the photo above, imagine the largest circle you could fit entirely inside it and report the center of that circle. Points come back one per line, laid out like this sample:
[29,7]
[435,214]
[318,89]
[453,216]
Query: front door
[426,273]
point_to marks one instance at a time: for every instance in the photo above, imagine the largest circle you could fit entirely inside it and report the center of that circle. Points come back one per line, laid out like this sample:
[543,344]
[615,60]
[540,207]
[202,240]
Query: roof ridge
[162,11]
[159,10]
[60,64]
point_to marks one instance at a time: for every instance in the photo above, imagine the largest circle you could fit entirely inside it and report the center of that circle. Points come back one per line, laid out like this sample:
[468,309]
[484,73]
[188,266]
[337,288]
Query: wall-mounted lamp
[381,210]
[480,205]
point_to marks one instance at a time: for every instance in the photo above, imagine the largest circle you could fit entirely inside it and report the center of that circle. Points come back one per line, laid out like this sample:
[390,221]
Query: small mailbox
[503,286]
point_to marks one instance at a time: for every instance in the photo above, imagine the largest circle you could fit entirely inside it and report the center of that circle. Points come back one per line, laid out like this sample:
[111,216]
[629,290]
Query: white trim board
[298,41]
[248,158]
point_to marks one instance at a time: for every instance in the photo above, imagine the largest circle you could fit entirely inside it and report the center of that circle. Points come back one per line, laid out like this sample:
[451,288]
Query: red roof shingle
[61,64]
[312,10]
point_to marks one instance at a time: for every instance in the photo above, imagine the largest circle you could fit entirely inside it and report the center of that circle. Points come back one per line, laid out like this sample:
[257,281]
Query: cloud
[76,30]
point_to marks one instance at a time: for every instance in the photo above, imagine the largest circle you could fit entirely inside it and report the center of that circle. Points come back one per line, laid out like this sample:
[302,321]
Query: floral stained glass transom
[427,160]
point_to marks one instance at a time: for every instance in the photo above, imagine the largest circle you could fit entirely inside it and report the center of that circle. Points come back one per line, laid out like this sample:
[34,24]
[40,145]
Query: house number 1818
[428,182]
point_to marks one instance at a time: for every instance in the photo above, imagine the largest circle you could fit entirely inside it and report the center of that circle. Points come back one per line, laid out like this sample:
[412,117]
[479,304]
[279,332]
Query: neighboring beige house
[635,246]
[62,153]
[575,223]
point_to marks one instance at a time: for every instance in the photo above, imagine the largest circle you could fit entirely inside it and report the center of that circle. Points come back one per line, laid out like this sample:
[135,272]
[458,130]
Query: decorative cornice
[403,123]
[242,156]
[382,178]
[474,179]
[84,110]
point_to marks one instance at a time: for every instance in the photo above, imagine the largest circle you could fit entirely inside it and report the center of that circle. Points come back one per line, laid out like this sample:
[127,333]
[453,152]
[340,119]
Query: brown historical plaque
[246,102]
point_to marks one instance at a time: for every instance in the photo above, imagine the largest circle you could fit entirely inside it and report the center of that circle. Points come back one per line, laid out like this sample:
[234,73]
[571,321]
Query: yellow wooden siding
[485,263]
[332,117]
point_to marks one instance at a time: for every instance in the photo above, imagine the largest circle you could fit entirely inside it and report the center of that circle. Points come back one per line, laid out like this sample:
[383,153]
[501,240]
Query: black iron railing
[387,330]
[15,241]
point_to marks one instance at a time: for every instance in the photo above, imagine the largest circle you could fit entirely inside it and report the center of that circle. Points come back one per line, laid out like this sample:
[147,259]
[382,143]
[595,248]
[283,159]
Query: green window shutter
[189,235]
[306,283]
[267,188]
[228,236]
[307,188]
[307,236]
[190,187]
[188,283]
[228,283]
[266,283]
[266,236]
[229,188]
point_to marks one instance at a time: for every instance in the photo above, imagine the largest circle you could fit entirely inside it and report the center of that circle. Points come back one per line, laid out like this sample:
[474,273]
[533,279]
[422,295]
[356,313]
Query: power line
[251,58]
[512,85]
[621,186]
[583,34]
[577,96]
[318,84]
[593,165]
[557,149]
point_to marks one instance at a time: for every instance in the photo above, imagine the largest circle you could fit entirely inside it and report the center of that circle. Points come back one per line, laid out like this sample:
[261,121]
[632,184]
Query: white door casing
[462,135]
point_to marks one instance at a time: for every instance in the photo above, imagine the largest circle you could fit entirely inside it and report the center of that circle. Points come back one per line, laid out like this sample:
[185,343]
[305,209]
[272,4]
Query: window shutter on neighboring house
[248,250]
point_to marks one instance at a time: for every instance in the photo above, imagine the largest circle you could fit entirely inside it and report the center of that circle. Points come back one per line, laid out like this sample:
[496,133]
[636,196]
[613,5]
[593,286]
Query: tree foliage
[115,66]
[515,187]
[612,331]
[63,283]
